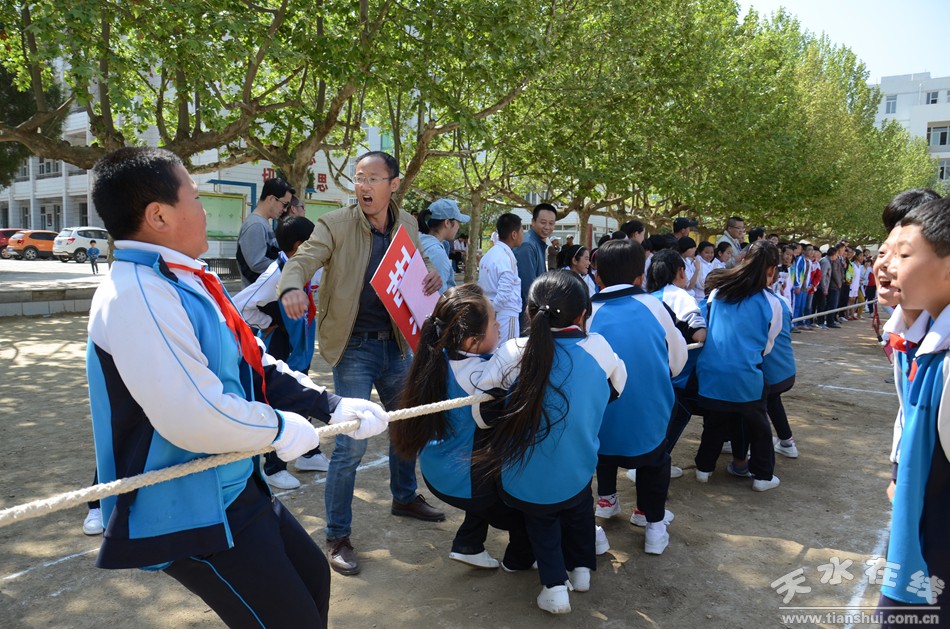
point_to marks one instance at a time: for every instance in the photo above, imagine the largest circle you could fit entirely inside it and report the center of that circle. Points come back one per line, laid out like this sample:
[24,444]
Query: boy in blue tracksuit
[633,433]
[174,375]
[287,339]
[920,272]
[93,253]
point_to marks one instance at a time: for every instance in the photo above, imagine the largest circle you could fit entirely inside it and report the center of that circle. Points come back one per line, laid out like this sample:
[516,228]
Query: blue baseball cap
[445,209]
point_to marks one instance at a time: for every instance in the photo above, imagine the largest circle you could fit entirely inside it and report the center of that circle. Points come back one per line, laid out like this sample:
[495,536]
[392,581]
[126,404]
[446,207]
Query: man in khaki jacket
[357,336]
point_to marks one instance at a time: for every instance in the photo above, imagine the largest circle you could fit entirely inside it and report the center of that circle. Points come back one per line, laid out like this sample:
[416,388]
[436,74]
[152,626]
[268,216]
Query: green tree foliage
[17,107]
[644,109]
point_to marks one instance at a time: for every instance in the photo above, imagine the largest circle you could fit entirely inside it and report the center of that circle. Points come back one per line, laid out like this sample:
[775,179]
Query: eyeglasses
[371,181]
[283,204]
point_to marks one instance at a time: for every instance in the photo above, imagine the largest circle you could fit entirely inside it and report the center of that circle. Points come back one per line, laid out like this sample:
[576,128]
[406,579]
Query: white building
[922,105]
[52,194]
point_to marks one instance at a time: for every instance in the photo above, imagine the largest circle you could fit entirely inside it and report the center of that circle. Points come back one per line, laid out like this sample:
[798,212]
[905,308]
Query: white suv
[72,243]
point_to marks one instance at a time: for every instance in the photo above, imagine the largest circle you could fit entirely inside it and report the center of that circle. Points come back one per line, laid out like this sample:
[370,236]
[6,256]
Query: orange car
[31,244]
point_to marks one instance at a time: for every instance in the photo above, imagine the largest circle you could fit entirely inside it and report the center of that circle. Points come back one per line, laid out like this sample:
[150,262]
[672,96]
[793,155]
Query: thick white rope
[71,499]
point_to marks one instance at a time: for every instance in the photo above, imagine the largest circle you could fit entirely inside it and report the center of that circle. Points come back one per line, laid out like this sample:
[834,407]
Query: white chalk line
[48,564]
[831,386]
[862,585]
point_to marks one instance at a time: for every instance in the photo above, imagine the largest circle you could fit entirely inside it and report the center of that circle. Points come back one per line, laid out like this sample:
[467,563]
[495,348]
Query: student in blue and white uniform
[174,375]
[577,258]
[742,326]
[778,367]
[667,280]
[455,343]
[633,433]
[920,273]
[554,386]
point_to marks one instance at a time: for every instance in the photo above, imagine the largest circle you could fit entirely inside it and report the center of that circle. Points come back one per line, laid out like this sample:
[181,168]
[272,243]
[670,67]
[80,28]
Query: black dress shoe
[419,509]
[342,556]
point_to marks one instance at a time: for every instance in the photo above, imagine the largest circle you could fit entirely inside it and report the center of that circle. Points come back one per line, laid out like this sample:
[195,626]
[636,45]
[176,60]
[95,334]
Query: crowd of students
[576,395]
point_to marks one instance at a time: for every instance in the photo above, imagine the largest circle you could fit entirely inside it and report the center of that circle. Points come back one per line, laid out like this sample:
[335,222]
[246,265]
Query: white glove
[373,419]
[298,437]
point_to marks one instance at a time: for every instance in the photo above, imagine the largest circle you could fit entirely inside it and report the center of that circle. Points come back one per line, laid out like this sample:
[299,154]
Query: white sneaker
[601,545]
[703,477]
[657,539]
[607,506]
[675,472]
[632,475]
[580,579]
[555,600]
[639,519]
[316,463]
[789,451]
[92,525]
[479,560]
[765,485]
[282,480]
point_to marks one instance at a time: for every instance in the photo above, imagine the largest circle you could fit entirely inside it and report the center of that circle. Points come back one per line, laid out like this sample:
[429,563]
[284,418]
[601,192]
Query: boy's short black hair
[92,242]
[620,262]
[277,187]
[603,240]
[933,219]
[684,244]
[618,235]
[506,224]
[127,180]
[756,233]
[292,230]
[903,203]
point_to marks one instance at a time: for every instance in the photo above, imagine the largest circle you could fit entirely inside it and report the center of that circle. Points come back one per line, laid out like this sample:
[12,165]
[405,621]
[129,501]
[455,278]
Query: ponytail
[460,314]
[555,300]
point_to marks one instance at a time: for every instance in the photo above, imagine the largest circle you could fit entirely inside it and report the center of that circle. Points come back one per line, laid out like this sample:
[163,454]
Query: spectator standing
[357,336]
[553,252]
[498,276]
[734,234]
[257,244]
[438,225]
[532,254]
[93,254]
[682,227]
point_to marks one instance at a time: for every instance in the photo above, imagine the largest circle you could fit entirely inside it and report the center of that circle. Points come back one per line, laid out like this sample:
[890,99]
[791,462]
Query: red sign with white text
[386,284]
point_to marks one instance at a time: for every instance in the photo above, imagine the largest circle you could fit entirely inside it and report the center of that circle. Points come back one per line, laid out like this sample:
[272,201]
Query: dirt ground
[728,543]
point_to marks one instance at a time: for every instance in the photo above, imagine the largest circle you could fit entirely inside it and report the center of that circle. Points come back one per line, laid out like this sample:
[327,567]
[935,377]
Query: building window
[943,170]
[25,216]
[932,98]
[938,136]
[47,168]
[890,105]
[948,96]
[23,174]
[83,213]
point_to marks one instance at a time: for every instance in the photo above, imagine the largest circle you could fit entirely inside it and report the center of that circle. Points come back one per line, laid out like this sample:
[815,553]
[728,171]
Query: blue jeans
[365,363]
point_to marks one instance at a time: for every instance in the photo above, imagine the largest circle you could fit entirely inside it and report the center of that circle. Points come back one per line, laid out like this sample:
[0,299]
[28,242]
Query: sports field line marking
[47,564]
[862,585]
[831,386]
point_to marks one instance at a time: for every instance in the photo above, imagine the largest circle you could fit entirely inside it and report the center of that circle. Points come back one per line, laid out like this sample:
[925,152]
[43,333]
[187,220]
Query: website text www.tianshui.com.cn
[858,617]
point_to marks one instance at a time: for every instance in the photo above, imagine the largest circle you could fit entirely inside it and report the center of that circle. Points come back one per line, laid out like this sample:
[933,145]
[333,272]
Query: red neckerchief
[242,332]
